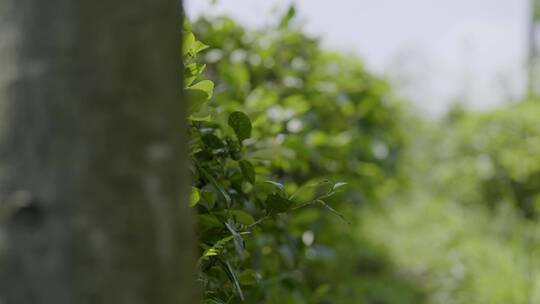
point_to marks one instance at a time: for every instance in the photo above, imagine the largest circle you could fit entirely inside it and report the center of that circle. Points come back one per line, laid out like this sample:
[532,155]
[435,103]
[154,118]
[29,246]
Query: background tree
[93,178]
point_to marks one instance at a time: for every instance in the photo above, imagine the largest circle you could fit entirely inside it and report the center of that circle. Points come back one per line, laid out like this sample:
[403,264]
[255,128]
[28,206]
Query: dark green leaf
[209,194]
[232,277]
[224,195]
[276,204]
[212,141]
[248,277]
[238,240]
[207,222]
[248,171]
[241,125]
[333,210]
[242,217]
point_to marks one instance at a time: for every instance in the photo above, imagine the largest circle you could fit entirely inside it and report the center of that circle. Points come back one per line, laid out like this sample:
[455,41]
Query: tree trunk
[93,173]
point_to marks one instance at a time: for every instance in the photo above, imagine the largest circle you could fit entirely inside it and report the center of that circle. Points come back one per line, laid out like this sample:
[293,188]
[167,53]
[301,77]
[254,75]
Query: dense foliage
[285,121]
[494,158]
[227,194]
[468,230]
[314,185]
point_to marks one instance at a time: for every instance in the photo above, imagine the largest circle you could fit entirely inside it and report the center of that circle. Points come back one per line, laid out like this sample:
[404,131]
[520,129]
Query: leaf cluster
[234,195]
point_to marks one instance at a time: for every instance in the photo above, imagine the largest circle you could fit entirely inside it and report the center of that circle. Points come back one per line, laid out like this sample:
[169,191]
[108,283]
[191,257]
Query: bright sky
[434,51]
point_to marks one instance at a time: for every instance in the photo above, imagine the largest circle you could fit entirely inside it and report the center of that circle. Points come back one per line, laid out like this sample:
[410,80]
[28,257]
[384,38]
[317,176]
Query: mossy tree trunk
[93,174]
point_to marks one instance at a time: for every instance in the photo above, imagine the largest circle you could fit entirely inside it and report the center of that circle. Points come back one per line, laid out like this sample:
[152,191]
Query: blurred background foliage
[438,211]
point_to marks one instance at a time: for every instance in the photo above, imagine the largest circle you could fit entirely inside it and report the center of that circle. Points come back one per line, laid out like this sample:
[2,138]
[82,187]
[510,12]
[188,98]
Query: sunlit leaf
[194,197]
[192,72]
[205,86]
[191,45]
[189,42]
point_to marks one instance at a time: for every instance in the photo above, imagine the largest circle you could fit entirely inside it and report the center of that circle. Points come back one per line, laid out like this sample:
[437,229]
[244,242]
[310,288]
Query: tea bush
[288,126]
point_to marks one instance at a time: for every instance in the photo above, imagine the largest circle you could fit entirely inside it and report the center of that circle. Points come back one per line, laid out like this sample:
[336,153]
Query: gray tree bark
[93,174]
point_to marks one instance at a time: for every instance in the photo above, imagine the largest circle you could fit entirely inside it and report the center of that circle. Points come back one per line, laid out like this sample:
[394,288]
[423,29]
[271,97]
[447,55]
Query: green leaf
[200,116]
[286,19]
[338,185]
[321,291]
[319,190]
[262,190]
[215,250]
[212,141]
[238,240]
[277,186]
[192,72]
[224,195]
[241,125]
[198,47]
[248,171]
[194,197]
[242,217]
[324,187]
[207,222]
[272,153]
[197,99]
[198,94]
[189,41]
[214,301]
[333,210]
[276,204]
[205,86]
[232,277]
[248,277]
[191,45]
[209,194]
